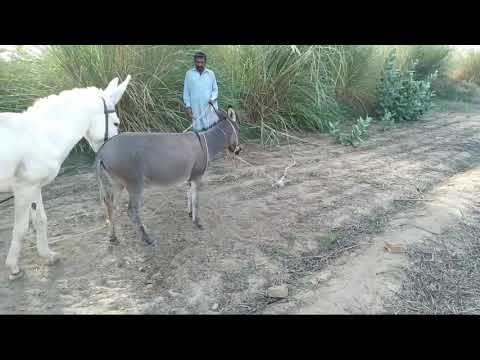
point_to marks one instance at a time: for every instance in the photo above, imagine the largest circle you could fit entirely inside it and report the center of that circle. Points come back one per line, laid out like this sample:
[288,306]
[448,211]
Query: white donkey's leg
[23,200]
[39,220]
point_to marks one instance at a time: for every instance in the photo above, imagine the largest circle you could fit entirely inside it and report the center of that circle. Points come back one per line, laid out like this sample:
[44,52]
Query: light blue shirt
[198,90]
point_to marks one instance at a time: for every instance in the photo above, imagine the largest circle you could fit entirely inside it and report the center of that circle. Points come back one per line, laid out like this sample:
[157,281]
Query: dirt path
[337,199]
[359,282]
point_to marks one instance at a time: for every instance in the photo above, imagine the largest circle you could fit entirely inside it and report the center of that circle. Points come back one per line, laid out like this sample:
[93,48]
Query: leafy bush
[400,95]
[356,135]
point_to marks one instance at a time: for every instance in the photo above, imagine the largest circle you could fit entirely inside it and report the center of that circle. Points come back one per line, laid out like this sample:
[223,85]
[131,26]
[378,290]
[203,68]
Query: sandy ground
[322,234]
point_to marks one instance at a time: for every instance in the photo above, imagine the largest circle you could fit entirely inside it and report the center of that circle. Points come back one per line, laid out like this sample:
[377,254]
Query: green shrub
[357,134]
[400,95]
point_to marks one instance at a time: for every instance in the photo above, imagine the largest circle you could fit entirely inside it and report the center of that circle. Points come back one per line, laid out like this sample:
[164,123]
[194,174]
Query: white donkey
[34,144]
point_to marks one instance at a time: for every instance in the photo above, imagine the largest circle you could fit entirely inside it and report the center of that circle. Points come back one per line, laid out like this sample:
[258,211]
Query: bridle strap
[106,112]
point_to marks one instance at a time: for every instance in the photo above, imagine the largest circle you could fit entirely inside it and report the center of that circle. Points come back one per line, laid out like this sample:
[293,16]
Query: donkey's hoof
[114,240]
[16,276]
[149,241]
[198,225]
[50,257]
[190,214]
[53,258]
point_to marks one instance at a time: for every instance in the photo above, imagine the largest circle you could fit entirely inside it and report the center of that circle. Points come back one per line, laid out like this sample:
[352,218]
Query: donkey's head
[233,143]
[105,122]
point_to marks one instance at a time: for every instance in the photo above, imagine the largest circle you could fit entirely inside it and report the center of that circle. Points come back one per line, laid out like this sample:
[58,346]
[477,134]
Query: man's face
[200,64]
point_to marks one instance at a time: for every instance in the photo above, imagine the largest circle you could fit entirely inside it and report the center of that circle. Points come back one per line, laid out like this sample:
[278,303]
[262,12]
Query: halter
[106,112]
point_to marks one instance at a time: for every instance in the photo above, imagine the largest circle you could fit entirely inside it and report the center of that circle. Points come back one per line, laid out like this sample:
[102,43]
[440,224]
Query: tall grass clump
[428,59]
[275,89]
[24,79]
[468,67]
[154,98]
[293,88]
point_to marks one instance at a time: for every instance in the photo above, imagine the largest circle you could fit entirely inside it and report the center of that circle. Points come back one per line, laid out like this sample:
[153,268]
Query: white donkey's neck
[57,123]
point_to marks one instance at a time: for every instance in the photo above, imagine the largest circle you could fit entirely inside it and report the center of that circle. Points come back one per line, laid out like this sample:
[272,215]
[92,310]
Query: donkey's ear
[117,93]
[112,85]
[231,114]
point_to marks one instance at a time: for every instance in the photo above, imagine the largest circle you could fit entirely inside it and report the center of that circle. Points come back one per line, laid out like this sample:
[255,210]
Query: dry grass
[443,276]
[468,68]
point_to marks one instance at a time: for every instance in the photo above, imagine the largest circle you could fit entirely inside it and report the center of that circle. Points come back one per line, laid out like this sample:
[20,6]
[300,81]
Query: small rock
[278,291]
[149,286]
[142,269]
[215,307]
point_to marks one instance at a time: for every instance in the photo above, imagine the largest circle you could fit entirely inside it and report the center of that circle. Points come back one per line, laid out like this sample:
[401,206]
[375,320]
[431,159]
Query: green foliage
[400,95]
[357,134]
[387,120]
[274,88]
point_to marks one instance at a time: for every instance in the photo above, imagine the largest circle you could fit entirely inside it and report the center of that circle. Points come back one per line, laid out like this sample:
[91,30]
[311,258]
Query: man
[200,90]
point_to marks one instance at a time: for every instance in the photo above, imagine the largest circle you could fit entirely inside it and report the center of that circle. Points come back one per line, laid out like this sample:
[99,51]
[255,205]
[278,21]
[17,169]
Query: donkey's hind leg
[194,194]
[39,220]
[134,207]
[111,202]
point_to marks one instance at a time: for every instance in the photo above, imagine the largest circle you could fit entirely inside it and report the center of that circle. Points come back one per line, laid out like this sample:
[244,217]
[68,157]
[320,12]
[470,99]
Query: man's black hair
[200,54]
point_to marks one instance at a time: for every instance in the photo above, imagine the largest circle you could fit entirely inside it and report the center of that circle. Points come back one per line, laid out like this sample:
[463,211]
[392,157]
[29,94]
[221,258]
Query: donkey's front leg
[134,205]
[23,200]
[39,220]
[194,194]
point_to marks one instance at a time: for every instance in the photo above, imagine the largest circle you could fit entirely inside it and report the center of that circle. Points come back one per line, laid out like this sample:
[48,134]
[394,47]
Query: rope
[276,182]
[72,237]
[5,200]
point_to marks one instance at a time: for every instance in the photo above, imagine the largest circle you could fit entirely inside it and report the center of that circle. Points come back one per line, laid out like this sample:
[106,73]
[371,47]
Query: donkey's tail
[99,171]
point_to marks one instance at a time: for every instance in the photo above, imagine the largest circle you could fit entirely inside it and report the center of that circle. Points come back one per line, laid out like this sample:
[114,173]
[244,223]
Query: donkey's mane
[72,96]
